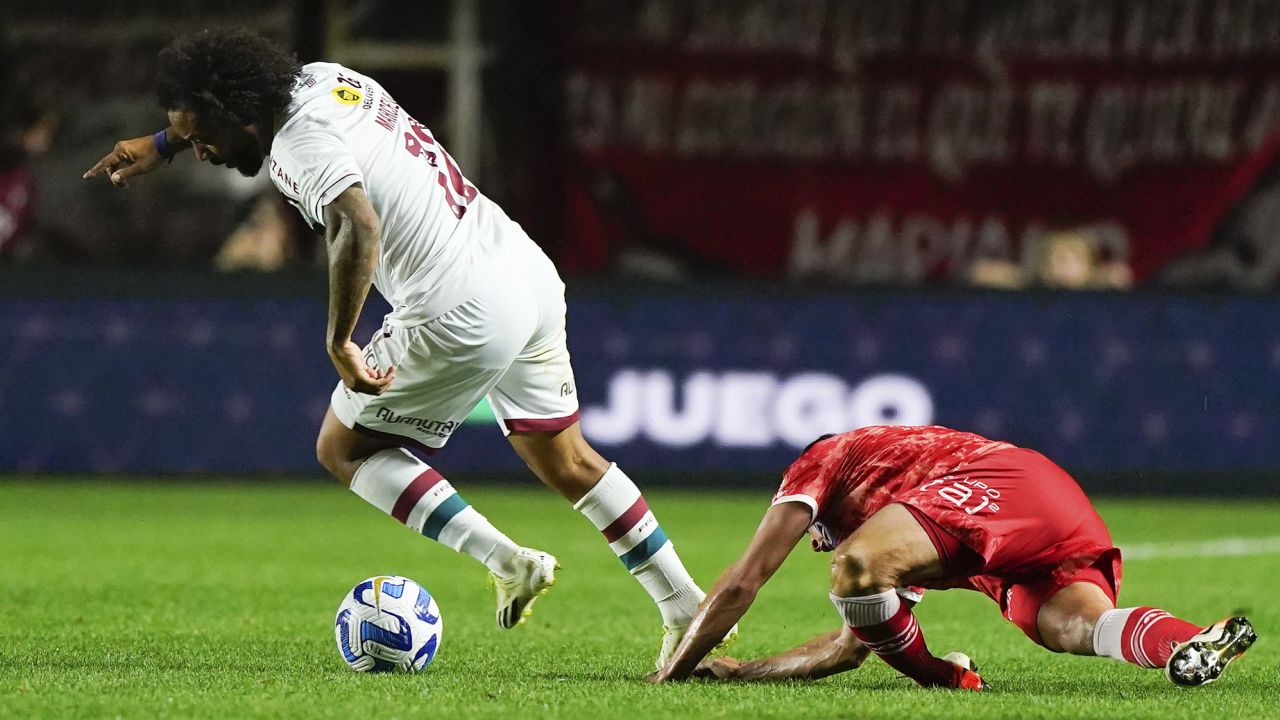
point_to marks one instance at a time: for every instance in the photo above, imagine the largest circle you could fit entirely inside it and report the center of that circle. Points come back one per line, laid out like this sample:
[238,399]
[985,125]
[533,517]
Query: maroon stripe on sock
[626,520]
[408,499]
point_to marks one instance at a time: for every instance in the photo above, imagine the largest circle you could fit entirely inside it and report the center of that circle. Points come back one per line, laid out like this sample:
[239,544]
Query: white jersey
[442,241]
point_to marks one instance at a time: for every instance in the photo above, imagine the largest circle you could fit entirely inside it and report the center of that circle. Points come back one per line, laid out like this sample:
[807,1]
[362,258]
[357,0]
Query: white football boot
[1200,660]
[535,574]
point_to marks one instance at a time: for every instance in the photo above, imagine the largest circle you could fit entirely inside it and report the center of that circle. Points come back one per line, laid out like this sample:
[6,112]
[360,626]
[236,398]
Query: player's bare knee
[855,570]
[562,460]
[579,469]
[580,461]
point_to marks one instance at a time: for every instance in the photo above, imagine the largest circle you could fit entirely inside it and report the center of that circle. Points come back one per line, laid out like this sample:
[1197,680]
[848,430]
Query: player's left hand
[357,375]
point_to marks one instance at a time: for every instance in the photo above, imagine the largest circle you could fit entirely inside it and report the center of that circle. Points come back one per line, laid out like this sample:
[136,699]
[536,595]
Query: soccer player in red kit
[938,508]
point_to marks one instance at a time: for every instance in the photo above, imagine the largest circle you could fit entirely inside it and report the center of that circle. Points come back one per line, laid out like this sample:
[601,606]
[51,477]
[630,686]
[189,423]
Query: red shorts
[1016,527]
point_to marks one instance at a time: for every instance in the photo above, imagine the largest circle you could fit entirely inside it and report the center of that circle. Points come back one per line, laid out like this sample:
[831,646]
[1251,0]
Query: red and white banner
[892,140]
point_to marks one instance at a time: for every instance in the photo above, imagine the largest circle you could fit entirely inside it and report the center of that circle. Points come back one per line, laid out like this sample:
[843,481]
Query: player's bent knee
[578,469]
[580,461]
[561,459]
[856,569]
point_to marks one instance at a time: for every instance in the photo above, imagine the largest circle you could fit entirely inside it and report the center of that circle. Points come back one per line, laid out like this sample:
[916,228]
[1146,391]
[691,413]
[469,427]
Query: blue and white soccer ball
[388,624]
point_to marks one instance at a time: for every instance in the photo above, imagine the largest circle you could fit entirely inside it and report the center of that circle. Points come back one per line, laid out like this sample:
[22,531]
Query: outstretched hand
[138,156]
[357,375]
[721,668]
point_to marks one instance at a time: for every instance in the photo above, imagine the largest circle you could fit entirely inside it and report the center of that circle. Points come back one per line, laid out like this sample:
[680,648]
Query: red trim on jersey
[540,424]
[400,440]
[408,499]
[627,520]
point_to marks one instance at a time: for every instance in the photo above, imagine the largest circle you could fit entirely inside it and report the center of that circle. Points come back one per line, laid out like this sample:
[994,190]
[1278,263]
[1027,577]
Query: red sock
[1150,635]
[899,642]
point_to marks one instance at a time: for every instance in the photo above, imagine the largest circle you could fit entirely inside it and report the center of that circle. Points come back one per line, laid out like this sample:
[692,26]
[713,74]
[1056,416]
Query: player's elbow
[739,590]
[364,223]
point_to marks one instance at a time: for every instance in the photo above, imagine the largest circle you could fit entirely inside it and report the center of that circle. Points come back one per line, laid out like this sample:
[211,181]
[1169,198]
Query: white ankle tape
[867,609]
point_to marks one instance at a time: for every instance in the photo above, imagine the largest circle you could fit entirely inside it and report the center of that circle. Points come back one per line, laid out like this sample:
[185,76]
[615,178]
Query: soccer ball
[388,624]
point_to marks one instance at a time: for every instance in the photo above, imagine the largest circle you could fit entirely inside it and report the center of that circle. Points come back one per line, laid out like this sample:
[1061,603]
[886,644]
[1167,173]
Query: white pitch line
[1222,547]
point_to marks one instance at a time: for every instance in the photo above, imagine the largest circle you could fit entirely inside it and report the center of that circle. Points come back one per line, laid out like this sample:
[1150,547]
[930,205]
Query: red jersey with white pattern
[847,478]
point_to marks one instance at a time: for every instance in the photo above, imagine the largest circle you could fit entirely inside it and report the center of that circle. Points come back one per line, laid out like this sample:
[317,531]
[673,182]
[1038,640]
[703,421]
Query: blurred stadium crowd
[84,74]
[1015,143]
[769,190]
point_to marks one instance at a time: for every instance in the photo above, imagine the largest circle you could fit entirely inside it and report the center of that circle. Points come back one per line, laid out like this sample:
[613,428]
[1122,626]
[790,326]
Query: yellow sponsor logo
[346,95]
[377,591]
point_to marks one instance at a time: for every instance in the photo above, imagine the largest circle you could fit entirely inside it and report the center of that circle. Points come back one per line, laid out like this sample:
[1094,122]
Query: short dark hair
[230,75]
[809,447]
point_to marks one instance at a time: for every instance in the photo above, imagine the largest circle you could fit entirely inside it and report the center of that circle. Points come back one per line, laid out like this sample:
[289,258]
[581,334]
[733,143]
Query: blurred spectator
[26,131]
[1063,260]
[1073,260]
[97,61]
[15,196]
[272,237]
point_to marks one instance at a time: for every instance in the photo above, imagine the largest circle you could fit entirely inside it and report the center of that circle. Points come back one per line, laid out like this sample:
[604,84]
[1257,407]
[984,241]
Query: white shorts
[507,344]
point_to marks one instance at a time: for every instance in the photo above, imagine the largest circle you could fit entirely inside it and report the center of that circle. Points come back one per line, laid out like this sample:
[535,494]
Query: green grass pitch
[216,600]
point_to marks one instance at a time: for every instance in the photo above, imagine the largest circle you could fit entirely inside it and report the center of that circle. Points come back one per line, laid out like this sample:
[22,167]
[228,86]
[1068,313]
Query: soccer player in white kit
[477,309]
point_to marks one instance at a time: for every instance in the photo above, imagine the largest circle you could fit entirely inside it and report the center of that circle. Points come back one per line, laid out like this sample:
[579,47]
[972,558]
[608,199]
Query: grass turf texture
[217,600]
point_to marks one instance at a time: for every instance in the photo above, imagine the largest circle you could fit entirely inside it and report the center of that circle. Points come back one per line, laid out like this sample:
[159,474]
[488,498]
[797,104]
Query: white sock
[867,610]
[1107,633]
[617,509]
[401,485]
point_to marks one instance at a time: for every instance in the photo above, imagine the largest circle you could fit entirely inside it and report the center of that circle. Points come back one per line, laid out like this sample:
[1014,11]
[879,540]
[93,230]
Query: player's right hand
[138,156]
[720,668]
[356,374]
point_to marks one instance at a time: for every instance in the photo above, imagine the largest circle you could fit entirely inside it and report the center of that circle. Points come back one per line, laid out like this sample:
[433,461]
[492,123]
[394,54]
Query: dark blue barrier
[723,381]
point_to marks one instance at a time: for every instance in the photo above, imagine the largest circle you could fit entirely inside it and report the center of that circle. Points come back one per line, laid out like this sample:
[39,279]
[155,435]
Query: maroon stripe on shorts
[626,520]
[540,424]
[412,494]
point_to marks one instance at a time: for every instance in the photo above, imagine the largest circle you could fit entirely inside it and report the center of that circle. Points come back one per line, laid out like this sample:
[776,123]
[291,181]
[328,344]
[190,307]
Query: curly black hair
[231,75]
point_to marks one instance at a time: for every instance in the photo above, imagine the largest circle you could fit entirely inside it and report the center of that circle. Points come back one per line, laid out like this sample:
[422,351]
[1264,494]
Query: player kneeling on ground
[938,508]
